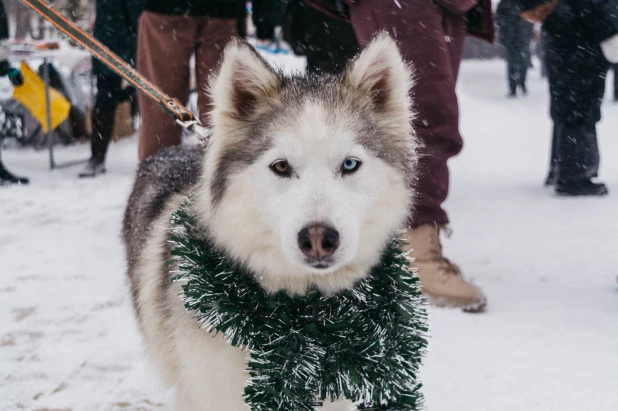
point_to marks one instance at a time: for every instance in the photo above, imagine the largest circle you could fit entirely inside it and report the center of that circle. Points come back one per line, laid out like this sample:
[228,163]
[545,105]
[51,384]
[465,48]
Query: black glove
[126,94]
[15,76]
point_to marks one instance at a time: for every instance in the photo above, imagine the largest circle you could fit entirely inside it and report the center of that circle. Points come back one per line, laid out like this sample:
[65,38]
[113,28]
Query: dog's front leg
[211,373]
[212,382]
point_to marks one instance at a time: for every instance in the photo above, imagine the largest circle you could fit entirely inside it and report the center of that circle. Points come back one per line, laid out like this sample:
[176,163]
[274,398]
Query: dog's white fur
[259,216]
[364,208]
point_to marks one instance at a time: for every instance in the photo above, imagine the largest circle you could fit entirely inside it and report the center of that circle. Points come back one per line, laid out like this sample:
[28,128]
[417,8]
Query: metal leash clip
[195,127]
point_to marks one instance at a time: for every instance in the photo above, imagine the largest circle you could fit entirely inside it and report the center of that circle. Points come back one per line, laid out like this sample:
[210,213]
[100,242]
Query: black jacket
[581,20]
[513,31]
[576,64]
[612,6]
[116,27]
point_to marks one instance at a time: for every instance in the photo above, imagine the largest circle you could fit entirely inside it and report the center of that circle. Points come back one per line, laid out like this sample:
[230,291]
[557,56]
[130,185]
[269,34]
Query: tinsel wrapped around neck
[364,344]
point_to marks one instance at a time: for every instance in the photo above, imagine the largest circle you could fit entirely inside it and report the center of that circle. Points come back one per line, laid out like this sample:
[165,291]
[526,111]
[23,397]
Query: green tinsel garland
[364,344]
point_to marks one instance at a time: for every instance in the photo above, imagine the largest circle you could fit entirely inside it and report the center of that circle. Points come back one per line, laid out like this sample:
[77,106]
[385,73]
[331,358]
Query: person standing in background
[116,27]
[613,13]
[170,32]
[514,34]
[267,16]
[6,177]
[581,40]
[431,36]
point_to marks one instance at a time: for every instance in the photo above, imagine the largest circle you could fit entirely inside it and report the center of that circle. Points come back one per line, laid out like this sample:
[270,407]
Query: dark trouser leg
[543,51]
[103,114]
[512,69]
[312,64]
[578,160]
[102,129]
[577,84]
[524,65]
[134,104]
[323,54]
[552,175]
[267,14]
[615,82]
[317,63]
[517,58]
[577,152]
[526,54]
[265,32]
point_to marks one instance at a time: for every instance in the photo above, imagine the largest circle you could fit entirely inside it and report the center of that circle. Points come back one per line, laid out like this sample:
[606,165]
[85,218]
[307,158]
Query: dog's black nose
[318,241]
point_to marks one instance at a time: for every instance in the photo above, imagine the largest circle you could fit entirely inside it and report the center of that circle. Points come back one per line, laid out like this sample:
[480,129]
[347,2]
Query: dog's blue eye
[350,165]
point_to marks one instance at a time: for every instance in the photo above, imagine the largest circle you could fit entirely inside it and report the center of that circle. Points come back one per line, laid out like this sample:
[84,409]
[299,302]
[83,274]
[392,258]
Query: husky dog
[304,179]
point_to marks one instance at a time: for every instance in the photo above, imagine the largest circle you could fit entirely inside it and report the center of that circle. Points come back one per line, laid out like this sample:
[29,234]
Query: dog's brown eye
[281,168]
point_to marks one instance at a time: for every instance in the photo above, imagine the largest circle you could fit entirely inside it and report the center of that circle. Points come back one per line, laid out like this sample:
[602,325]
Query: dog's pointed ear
[243,81]
[380,72]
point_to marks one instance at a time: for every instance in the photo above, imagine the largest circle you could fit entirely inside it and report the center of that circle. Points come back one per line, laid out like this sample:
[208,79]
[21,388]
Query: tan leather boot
[441,280]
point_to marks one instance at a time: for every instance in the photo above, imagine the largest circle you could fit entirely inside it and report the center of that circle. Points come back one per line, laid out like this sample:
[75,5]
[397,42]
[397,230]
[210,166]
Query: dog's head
[305,178]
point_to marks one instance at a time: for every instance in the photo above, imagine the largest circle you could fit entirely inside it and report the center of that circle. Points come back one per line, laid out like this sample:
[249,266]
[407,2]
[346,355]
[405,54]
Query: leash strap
[171,106]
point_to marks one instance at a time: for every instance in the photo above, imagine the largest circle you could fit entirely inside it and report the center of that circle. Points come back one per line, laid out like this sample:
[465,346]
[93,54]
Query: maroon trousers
[432,39]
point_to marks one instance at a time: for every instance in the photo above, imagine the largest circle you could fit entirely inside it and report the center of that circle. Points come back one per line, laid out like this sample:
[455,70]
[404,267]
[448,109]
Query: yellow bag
[31,94]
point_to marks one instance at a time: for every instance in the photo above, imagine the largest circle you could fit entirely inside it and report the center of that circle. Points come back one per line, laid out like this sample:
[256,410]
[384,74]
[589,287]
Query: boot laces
[445,265]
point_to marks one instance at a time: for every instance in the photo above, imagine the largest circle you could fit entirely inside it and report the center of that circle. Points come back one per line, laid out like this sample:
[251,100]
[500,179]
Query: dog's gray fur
[172,171]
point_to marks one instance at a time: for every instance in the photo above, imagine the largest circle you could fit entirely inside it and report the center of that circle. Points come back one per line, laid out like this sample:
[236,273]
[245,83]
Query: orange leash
[170,105]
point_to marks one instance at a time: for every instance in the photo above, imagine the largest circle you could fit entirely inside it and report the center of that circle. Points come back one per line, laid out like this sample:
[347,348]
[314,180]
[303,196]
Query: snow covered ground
[548,341]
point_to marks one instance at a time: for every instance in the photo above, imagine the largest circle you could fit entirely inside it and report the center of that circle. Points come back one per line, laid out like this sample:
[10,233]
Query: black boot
[92,169]
[551,179]
[580,188]
[575,159]
[8,178]
[102,129]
